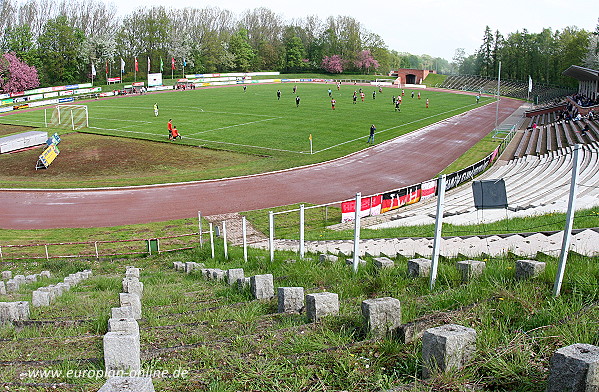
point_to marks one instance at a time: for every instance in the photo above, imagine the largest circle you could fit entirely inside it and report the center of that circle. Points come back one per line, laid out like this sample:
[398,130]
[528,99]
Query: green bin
[153,246]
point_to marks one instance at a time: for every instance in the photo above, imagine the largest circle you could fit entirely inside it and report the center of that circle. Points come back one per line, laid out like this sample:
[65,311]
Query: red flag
[107,67]
[172,63]
[136,65]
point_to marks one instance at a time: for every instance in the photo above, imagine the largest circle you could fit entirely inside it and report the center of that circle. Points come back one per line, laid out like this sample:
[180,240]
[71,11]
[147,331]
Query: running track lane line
[406,160]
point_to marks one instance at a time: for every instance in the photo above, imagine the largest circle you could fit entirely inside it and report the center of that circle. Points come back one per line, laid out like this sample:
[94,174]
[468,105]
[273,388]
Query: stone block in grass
[382,315]
[419,267]
[128,384]
[574,368]
[528,269]
[233,275]
[132,300]
[6,275]
[383,262]
[290,299]
[319,305]
[447,347]
[262,286]
[40,298]
[470,269]
[2,288]
[121,352]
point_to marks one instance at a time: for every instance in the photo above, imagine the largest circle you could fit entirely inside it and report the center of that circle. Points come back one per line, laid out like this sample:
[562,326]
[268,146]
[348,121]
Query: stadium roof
[581,73]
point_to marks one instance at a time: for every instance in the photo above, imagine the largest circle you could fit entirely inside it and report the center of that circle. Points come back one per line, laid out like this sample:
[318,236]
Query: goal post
[67,116]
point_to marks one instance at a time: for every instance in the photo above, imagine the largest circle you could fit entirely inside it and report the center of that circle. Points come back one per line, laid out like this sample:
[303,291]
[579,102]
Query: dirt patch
[6,129]
[93,160]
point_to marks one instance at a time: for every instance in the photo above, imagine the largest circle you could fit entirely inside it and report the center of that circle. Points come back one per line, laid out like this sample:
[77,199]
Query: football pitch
[256,122]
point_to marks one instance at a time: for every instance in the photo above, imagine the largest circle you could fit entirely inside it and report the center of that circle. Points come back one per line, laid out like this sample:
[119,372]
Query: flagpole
[311,144]
[135,70]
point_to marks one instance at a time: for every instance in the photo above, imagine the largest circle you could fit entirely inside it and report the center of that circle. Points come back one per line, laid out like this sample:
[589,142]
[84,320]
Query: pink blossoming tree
[365,61]
[15,75]
[332,64]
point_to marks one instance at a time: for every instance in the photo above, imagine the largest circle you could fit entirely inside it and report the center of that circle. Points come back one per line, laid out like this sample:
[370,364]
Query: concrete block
[191,266]
[290,299]
[132,272]
[64,287]
[40,298]
[262,286]
[55,291]
[382,315]
[45,274]
[130,299]
[447,347]
[122,352]
[527,269]
[128,384]
[178,266]
[122,312]
[234,274]
[383,262]
[326,257]
[14,311]
[133,285]
[319,305]
[419,267]
[574,368]
[30,279]
[6,275]
[218,274]
[88,273]
[351,261]
[2,288]
[20,279]
[12,286]
[470,269]
[125,325]
[242,283]
[71,281]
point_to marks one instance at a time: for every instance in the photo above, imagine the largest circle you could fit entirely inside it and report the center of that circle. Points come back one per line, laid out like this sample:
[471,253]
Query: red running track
[406,160]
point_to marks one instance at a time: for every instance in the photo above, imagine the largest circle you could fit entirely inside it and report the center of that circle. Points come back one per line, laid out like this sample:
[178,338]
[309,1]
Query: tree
[19,40]
[365,61]
[241,50]
[294,54]
[15,75]
[60,52]
[332,64]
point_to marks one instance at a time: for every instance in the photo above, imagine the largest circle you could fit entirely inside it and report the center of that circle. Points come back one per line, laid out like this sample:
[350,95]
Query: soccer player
[418,94]
[374,95]
[355,97]
[333,102]
[297,101]
[156,109]
[175,134]
[427,103]
[412,94]
[397,105]
[278,95]
[294,88]
[362,96]
[330,93]
[169,126]
[245,88]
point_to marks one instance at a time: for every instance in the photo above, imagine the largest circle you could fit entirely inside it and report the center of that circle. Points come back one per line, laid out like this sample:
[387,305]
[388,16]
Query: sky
[433,27]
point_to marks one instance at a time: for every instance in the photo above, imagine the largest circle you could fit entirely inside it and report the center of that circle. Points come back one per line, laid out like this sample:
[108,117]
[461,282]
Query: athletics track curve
[406,160]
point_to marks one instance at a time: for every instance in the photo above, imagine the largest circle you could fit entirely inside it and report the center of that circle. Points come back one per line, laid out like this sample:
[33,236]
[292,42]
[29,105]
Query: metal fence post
[200,228]
[245,241]
[569,222]
[225,240]
[357,231]
[271,234]
[438,227]
[301,224]
[211,239]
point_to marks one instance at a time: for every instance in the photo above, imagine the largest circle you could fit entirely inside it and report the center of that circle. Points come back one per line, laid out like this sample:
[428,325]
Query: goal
[67,116]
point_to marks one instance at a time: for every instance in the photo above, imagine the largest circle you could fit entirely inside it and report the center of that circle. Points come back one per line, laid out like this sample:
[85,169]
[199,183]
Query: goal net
[68,116]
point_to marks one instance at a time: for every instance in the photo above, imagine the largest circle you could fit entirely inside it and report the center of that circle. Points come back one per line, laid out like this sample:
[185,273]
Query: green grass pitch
[256,122]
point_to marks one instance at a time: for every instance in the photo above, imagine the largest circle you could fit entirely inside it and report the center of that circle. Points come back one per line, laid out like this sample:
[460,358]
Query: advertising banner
[400,197]
[49,155]
[154,79]
[369,206]
[428,189]
[459,177]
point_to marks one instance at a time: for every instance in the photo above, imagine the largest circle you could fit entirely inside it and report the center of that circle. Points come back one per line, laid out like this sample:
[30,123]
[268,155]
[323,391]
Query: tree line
[62,40]
[542,56]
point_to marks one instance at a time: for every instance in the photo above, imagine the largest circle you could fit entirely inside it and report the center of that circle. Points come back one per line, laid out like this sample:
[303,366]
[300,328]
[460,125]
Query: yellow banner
[49,155]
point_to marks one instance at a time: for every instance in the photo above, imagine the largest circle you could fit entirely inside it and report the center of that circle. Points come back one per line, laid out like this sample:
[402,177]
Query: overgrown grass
[226,341]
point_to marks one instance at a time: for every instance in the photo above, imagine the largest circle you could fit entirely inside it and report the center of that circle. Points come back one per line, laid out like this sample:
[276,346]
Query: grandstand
[540,94]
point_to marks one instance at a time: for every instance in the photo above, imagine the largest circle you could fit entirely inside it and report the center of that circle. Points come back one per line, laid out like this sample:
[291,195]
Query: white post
[225,240]
[211,238]
[200,228]
[271,234]
[72,120]
[301,224]
[1,256]
[438,227]
[58,108]
[569,221]
[96,246]
[86,118]
[47,255]
[357,231]
[498,89]
[46,117]
[245,241]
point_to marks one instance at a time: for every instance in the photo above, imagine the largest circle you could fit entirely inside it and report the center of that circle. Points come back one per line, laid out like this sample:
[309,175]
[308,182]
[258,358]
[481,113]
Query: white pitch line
[244,145]
[121,130]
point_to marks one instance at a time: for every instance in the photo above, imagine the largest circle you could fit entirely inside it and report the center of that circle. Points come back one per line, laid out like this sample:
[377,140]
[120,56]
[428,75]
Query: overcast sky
[434,27]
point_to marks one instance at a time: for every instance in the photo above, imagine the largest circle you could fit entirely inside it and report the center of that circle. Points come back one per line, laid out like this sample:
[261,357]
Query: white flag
[93,70]
[122,65]
[529,84]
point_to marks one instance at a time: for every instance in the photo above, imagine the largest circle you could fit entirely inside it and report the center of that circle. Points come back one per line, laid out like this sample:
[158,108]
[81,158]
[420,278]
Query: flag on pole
[529,84]
[184,63]
[106,67]
[148,65]
[93,70]
[161,65]
[136,65]
[172,63]
[310,137]
[122,65]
